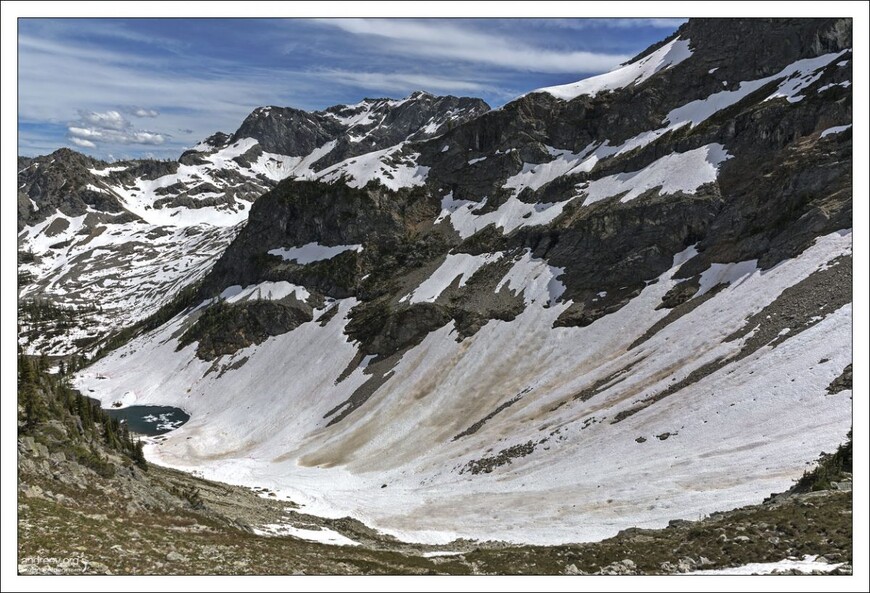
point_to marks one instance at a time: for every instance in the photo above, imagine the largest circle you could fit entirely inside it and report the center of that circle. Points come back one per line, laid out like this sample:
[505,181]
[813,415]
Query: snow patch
[512,214]
[312,252]
[806,565]
[463,265]
[391,169]
[799,75]
[845,84]
[667,56]
[835,130]
[676,172]
[265,291]
[322,535]
[105,172]
[732,274]
[535,176]
[535,279]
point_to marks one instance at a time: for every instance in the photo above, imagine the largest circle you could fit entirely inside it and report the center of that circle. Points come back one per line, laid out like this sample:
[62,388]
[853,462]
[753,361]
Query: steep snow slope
[670,54]
[570,472]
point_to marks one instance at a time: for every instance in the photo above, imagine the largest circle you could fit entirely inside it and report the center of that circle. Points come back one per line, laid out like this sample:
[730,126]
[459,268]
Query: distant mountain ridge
[129,235]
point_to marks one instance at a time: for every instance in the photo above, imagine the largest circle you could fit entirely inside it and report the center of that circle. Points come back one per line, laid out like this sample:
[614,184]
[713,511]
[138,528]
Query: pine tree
[139,455]
[34,409]
[25,371]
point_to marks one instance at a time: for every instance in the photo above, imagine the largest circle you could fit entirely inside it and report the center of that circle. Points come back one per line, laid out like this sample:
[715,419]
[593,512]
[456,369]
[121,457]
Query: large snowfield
[733,437]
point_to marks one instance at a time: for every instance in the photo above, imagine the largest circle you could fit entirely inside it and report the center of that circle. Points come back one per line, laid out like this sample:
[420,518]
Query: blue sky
[126,88]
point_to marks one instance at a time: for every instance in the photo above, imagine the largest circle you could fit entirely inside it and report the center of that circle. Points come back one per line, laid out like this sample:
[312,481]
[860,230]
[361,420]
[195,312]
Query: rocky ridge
[129,235]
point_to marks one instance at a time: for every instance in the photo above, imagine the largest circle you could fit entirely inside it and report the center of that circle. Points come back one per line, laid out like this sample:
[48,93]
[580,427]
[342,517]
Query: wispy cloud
[441,39]
[402,82]
[118,86]
[626,23]
[143,112]
[82,142]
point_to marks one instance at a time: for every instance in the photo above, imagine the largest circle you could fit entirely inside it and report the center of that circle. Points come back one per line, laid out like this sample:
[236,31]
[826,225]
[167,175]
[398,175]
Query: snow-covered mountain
[606,304]
[115,242]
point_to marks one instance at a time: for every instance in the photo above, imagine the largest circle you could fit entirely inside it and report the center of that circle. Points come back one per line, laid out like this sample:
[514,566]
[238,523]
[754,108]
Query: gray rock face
[59,181]
[289,131]
[782,187]
[371,125]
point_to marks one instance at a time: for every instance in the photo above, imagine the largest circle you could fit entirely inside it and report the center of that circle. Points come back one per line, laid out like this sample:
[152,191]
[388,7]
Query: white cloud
[109,127]
[111,120]
[84,132]
[83,143]
[439,39]
[143,137]
[143,112]
[52,89]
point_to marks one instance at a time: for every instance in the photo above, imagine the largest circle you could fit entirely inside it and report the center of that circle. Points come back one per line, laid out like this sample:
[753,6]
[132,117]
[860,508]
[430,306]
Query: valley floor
[73,523]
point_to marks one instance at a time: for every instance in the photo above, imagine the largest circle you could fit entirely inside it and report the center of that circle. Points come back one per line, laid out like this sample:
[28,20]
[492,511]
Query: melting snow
[512,214]
[675,172]
[387,166]
[105,172]
[535,279]
[267,291]
[312,252]
[463,265]
[322,535]
[807,565]
[535,176]
[732,274]
[277,435]
[799,75]
[844,84]
[665,57]
[835,130]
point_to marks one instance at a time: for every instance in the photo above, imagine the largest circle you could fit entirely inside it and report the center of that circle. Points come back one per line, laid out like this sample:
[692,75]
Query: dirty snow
[738,434]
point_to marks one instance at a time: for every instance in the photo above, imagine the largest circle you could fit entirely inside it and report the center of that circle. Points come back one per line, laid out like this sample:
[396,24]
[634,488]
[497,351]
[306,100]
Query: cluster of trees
[186,297]
[43,396]
[37,309]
